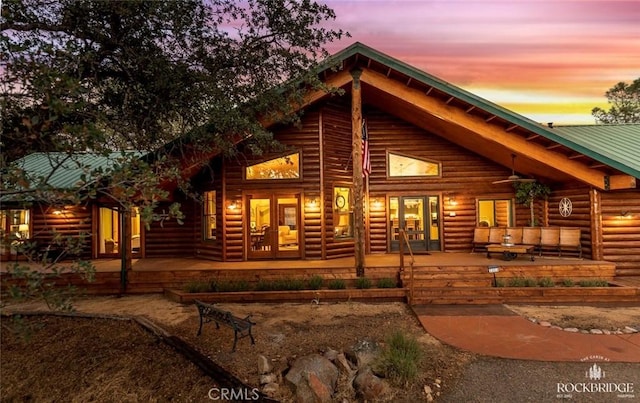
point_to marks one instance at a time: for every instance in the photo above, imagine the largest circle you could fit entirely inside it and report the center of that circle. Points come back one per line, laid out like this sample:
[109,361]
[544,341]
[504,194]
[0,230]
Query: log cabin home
[433,152]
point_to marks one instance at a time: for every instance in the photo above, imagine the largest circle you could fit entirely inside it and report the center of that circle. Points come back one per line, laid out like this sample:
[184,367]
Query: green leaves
[625,104]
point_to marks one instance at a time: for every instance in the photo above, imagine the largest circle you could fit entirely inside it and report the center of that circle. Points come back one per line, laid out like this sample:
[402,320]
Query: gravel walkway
[503,380]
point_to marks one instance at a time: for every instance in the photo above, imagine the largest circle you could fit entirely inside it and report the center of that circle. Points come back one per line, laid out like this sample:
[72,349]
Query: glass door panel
[288,227]
[273,227]
[418,216]
[261,232]
[110,233]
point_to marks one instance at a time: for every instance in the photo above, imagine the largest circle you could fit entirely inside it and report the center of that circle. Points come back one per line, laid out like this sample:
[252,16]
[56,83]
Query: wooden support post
[125,248]
[597,250]
[358,183]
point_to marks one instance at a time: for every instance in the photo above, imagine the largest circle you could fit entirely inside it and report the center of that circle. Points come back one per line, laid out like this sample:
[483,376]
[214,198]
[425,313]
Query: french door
[419,216]
[273,228]
[110,232]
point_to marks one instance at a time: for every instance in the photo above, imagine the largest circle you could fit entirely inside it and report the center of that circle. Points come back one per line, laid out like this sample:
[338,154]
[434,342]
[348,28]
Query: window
[495,213]
[287,167]
[14,228]
[342,212]
[209,215]
[402,166]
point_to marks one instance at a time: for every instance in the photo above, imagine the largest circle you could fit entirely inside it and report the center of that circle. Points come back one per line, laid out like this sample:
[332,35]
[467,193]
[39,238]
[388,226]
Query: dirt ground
[107,360]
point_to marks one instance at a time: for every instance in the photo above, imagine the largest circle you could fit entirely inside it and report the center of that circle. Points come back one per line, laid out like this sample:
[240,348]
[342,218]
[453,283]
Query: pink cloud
[563,47]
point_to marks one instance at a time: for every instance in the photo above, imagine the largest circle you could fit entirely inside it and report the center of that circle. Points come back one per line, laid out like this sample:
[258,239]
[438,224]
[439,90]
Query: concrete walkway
[496,331]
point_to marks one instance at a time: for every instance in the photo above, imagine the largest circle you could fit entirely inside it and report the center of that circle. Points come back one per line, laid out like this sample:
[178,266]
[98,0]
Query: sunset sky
[549,60]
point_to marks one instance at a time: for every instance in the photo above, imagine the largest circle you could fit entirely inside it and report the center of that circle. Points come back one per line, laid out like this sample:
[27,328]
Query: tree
[625,104]
[171,78]
[527,193]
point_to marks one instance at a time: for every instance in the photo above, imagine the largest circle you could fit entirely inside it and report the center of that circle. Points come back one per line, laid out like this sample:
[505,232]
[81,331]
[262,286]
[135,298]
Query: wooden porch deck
[437,277]
[373,261]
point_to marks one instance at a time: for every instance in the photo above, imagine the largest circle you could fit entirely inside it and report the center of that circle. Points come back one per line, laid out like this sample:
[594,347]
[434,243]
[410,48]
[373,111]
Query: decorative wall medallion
[565,207]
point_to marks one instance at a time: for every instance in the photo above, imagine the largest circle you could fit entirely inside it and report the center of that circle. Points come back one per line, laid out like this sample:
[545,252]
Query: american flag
[366,156]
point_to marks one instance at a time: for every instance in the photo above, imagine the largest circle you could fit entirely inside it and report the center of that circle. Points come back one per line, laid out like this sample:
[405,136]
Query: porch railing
[404,240]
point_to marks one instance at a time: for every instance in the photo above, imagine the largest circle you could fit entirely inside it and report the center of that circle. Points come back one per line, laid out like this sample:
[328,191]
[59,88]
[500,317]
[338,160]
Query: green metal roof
[621,152]
[616,145]
[62,170]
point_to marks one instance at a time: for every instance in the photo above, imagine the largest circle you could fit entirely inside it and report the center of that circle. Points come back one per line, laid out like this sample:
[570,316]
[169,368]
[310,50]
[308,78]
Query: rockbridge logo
[595,382]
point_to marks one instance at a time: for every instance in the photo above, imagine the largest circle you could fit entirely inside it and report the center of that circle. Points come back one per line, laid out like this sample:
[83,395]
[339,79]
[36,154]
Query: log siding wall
[621,233]
[580,215]
[465,176]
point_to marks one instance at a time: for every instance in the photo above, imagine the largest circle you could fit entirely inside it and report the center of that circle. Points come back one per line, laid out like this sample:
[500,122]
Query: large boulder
[369,387]
[312,378]
[363,353]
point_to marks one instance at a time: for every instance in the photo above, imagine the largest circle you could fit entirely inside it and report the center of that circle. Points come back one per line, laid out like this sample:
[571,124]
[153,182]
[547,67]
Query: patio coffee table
[510,252]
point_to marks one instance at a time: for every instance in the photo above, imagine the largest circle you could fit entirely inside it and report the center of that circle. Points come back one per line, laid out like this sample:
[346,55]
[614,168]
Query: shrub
[288,284]
[363,283]
[400,359]
[337,284]
[530,282]
[594,283]
[546,282]
[516,282]
[197,286]
[386,282]
[567,282]
[500,283]
[232,286]
[315,282]
[265,285]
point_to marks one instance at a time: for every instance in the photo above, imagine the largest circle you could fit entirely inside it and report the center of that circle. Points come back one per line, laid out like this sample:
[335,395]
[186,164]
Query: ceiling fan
[513,178]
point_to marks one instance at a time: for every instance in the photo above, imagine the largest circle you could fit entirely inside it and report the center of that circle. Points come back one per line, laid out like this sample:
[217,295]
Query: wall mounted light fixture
[453,201]
[376,204]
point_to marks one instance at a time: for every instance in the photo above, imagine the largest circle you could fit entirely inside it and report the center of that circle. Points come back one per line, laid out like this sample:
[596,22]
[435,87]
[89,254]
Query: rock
[363,353]
[343,364]
[270,389]
[331,355]
[629,330]
[320,391]
[571,329]
[584,331]
[596,331]
[312,378]
[605,331]
[264,366]
[556,327]
[545,324]
[370,387]
[268,378]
